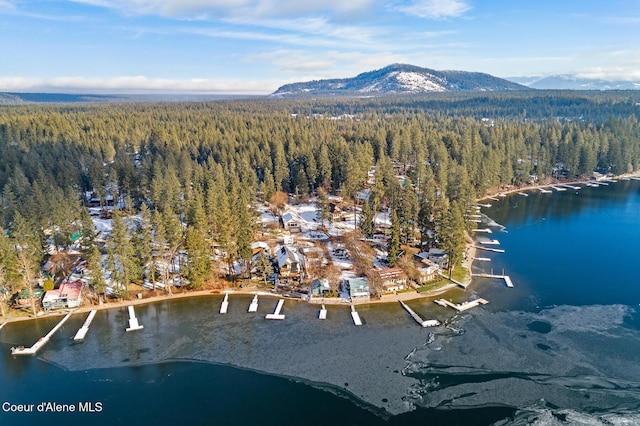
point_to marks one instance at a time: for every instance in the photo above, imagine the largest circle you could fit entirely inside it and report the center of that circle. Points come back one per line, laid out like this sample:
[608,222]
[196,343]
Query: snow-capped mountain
[571,82]
[400,78]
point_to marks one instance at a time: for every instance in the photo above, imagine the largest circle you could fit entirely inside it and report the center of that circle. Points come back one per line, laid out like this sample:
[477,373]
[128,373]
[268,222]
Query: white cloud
[436,9]
[610,73]
[136,84]
[299,65]
[7,5]
[216,9]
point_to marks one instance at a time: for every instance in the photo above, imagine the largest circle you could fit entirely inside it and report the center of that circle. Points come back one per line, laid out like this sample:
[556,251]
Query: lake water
[562,346]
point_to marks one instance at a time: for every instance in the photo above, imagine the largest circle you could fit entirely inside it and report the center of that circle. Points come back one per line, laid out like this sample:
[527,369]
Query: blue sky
[254,46]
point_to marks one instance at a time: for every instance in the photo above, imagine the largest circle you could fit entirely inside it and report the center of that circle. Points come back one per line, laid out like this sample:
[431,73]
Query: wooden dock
[3,324]
[484,205]
[572,187]
[419,320]
[253,307]
[462,306]
[276,315]
[486,230]
[225,303]
[355,316]
[21,350]
[489,249]
[323,313]
[545,191]
[82,332]
[133,321]
[506,278]
[559,188]
[524,194]
[490,242]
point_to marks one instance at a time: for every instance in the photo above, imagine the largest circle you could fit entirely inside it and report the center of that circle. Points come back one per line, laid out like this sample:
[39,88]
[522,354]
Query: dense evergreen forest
[193,170]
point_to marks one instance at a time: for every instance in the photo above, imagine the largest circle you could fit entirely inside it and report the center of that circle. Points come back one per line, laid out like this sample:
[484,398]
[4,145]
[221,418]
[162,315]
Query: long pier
[415,316]
[489,249]
[572,187]
[225,303]
[21,350]
[506,278]
[82,332]
[253,307]
[487,230]
[323,313]
[462,306]
[491,242]
[355,316]
[133,321]
[276,315]
[483,259]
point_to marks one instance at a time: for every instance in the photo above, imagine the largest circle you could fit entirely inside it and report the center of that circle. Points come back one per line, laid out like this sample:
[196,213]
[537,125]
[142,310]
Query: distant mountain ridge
[398,79]
[571,82]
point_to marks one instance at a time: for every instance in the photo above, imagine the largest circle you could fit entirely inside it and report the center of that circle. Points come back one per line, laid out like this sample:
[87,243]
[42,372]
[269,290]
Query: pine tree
[199,260]
[28,250]
[393,242]
[366,220]
[263,266]
[452,235]
[96,280]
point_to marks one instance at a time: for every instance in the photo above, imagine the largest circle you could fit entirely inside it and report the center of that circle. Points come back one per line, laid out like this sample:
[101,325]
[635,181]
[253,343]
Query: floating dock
[493,199]
[506,278]
[82,332]
[495,250]
[462,306]
[3,324]
[225,303]
[276,315]
[21,350]
[484,205]
[635,178]
[355,316]
[415,316]
[133,321]
[545,191]
[253,307]
[487,230]
[559,188]
[572,187]
[323,313]
[524,194]
[491,242]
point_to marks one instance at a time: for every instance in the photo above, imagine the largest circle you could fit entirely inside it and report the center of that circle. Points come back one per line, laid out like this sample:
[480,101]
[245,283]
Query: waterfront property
[358,289]
[67,296]
[289,262]
[392,279]
[320,287]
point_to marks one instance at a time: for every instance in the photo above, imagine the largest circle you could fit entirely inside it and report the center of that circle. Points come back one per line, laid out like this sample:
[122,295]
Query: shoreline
[386,298]
[493,193]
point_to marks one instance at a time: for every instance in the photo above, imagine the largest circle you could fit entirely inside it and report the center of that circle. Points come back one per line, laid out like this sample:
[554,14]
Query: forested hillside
[204,164]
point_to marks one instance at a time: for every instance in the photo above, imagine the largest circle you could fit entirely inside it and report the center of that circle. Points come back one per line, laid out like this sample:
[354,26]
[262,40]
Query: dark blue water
[560,347]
